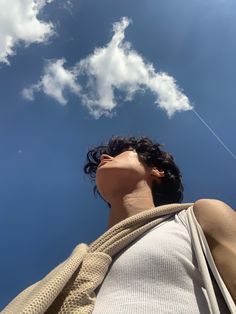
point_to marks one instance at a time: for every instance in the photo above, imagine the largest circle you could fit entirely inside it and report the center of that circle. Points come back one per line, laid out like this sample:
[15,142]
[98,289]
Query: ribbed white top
[157,273]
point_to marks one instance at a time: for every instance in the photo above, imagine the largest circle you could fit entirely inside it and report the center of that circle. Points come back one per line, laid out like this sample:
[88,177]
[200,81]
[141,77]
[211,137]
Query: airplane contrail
[216,136]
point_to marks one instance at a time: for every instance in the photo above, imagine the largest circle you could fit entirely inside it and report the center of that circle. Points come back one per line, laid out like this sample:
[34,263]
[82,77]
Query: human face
[122,172]
[129,157]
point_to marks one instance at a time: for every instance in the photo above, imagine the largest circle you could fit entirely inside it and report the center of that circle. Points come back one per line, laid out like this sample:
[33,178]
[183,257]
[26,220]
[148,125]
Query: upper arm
[217,219]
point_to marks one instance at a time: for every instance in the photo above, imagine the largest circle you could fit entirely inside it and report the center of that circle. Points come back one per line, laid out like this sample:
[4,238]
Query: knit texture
[156,273]
[70,287]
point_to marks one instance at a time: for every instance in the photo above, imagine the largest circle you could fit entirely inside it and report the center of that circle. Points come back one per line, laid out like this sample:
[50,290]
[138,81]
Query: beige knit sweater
[69,288]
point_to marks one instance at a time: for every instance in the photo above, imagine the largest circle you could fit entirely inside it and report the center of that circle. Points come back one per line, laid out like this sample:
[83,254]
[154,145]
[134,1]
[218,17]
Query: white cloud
[55,80]
[68,5]
[19,23]
[115,67]
[118,66]
[28,93]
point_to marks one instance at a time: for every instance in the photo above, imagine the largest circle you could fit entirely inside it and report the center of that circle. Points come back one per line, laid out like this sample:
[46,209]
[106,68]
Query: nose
[105,157]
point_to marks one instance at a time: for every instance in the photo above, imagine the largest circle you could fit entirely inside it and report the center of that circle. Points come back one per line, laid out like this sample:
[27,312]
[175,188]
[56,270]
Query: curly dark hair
[170,190]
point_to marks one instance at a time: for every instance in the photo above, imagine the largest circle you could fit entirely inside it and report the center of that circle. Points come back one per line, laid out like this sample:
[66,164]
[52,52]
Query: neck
[128,205]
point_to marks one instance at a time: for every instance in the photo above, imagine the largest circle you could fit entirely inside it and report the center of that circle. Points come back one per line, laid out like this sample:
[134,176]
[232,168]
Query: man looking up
[158,273]
[157,256]
[133,175]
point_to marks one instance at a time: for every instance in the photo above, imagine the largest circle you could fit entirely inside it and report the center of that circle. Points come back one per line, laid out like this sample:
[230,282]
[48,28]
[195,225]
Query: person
[135,175]
[157,273]
[150,260]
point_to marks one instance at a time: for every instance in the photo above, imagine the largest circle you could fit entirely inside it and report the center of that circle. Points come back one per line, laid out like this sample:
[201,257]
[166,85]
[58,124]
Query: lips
[102,162]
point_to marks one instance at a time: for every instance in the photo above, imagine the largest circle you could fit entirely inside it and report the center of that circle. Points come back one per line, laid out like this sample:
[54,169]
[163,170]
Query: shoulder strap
[205,260]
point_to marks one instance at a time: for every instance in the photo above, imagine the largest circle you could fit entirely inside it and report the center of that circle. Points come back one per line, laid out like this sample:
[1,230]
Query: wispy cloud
[55,80]
[115,67]
[68,5]
[19,24]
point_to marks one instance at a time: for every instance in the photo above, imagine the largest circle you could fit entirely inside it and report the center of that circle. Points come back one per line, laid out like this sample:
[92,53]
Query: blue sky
[74,73]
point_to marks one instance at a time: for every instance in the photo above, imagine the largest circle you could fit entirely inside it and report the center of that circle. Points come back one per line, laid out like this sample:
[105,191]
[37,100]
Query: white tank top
[157,273]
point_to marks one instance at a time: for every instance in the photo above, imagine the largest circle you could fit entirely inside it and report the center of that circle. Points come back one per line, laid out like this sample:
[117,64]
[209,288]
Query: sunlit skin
[125,182]
[218,221]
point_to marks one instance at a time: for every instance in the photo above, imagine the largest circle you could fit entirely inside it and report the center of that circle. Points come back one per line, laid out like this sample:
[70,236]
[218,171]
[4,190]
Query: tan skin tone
[218,221]
[125,182]
[129,188]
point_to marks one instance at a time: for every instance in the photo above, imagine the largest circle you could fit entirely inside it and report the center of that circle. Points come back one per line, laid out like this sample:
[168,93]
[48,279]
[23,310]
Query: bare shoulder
[212,206]
[216,218]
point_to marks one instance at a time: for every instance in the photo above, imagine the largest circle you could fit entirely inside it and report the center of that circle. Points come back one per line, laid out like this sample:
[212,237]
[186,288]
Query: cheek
[98,178]
[122,169]
[104,176]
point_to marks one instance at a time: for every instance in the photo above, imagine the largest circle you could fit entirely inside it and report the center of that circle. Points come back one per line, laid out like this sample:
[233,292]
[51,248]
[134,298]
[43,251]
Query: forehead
[117,150]
[127,150]
[128,153]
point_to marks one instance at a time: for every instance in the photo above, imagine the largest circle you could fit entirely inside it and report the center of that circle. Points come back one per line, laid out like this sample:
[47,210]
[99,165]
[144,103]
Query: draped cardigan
[69,288]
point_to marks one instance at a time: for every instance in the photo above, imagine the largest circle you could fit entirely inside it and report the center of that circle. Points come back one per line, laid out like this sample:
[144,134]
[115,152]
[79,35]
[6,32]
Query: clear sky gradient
[57,100]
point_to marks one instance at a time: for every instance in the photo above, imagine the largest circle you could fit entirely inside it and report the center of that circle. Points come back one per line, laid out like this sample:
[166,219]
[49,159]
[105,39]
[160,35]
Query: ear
[158,173]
